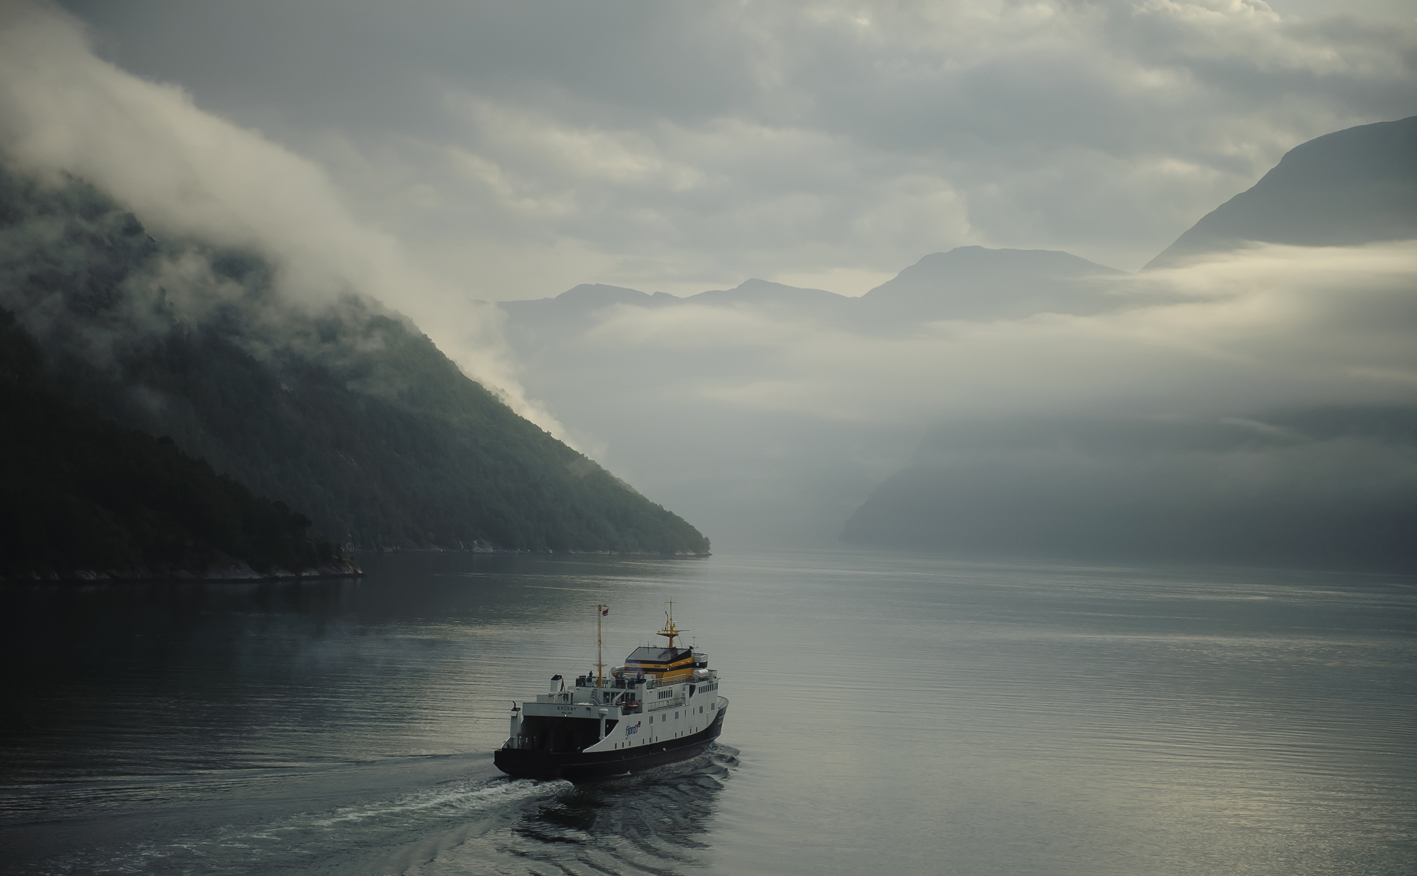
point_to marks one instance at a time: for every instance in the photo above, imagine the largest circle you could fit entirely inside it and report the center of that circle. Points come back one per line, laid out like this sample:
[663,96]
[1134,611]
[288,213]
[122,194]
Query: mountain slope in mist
[342,410]
[1323,485]
[1354,186]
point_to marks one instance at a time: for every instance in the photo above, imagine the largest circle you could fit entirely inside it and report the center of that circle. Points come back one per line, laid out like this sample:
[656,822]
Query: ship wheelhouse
[663,663]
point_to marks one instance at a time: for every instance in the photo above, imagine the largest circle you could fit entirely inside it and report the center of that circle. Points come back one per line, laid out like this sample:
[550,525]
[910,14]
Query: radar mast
[670,631]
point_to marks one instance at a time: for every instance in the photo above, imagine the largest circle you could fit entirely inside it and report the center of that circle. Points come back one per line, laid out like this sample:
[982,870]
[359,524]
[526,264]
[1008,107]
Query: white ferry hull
[579,766]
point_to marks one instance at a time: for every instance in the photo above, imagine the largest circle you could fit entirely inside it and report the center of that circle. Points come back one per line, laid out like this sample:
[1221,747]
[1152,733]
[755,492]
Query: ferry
[661,706]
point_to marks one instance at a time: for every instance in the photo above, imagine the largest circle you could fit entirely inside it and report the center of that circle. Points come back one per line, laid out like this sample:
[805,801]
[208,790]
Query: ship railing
[631,682]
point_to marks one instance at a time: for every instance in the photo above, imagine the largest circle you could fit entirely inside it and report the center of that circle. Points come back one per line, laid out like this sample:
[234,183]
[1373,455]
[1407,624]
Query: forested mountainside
[341,409]
[1354,186]
[79,493]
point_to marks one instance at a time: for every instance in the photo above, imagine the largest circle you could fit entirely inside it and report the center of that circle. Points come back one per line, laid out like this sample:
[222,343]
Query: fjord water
[890,713]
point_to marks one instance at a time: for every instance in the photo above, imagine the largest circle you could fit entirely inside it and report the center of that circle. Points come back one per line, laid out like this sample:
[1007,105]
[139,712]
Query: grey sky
[518,149]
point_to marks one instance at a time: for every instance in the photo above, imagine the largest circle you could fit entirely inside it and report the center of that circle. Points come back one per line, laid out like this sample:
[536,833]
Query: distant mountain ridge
[967,282]
[1354,186]
[755,291]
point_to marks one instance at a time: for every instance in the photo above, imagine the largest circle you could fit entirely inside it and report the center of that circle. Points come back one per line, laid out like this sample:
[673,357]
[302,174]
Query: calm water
[889,714]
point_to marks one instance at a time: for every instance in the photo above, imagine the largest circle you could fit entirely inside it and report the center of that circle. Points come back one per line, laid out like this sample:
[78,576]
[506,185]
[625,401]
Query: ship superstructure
[662,705]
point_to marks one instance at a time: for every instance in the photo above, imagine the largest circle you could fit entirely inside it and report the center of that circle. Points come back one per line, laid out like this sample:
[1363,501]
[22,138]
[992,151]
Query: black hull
[579,766]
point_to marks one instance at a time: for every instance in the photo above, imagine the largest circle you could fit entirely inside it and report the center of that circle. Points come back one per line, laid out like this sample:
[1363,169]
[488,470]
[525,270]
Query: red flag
[605,612]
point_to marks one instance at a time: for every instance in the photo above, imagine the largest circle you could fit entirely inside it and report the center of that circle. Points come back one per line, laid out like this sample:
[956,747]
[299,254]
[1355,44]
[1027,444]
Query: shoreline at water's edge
[241,573]
[238,573]
[481,548]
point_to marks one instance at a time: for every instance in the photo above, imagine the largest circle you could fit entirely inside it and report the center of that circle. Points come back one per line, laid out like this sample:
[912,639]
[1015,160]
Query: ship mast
[599,663]
[670,631]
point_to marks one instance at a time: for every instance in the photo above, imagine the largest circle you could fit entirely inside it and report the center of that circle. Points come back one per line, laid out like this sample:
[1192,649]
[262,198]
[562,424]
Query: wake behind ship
[660,707]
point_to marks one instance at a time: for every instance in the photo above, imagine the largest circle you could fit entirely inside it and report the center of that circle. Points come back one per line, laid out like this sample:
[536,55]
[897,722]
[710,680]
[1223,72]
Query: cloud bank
[190,175]
[1271,325]
[526,148]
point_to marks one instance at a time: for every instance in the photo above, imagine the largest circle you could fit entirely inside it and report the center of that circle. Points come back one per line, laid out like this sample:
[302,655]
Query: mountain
[340,409]
[764,292]
[1353,186]
[584,301]
[580,301]
[967,282]
[974,283]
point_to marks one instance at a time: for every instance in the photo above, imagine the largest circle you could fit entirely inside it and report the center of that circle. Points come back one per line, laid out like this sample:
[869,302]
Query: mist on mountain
[341,409]
[1347,188]
[768,412]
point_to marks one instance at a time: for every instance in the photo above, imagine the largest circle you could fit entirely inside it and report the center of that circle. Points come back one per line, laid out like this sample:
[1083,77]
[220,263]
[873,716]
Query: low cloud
[192,176]
[1264,326]
[526,148]
[1281,371]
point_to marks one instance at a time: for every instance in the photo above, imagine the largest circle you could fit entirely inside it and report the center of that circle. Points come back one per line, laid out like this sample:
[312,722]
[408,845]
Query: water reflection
[892,713]
[655,822]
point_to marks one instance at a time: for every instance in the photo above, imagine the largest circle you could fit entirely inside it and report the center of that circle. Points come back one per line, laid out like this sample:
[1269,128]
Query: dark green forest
[81,493]
[344,411]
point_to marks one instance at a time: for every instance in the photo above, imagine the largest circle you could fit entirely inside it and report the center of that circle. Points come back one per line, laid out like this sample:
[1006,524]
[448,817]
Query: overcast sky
[516,149]
[431,155]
